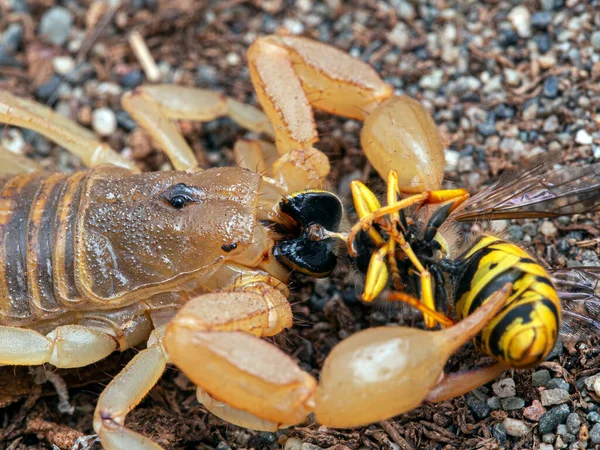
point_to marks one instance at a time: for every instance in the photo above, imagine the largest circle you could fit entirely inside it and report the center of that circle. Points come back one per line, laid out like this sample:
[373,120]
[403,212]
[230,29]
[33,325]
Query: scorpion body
[105,248]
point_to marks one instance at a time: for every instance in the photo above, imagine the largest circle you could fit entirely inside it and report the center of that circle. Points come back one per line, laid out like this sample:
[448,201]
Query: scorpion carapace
[105,238]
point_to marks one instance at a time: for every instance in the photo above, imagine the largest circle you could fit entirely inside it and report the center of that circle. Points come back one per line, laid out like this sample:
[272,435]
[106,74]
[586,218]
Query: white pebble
[63,64]
[512,77]
[596,386]
[293,444]
[520,17]
[583,137]
[515,428]
[294,26]
[548,229]
[232,58]
[104,121]
[399,35]
[12,140]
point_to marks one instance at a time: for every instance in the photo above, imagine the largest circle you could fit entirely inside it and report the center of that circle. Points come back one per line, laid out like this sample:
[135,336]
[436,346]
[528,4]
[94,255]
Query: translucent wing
[579,291]
[538,191]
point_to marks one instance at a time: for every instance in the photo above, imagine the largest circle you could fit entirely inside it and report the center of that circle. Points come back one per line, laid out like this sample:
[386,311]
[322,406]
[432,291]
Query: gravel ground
[503,80]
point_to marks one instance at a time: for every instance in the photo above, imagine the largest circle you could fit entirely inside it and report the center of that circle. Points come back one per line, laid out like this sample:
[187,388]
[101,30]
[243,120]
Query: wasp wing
[579,291]
[538,191]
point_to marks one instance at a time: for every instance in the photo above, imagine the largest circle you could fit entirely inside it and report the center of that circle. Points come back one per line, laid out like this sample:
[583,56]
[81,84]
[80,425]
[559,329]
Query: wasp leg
[66,133]
[214,340]
[123,393]
[381,372]
[456,384]
[66,346]
[156,107]
[14,163]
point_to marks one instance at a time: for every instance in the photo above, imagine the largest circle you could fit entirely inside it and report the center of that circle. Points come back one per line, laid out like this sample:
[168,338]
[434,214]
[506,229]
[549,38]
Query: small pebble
[549,230]
[541,20]
[551,124]
[595,40]
[132,79]
[512,403]
[520,17]
[293,444]
[104,121]
[552,418]
[593,417]
[494,402]
[534,412]
[515,427]
[540,378]
[399,36]
[432,81]
[573,423]
[583,137]
[548,438]
[558,383]
[307,446]
[560,443]
[546,447]
[595,434]
[480,409]
[63,64]
[11,40]
[499,433]
[550,87]
[222,446]
[558,347]
[55,25]
[555,397]
[504,388]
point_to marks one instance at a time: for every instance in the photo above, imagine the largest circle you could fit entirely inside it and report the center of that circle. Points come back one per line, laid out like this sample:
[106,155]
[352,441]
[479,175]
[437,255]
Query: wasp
[430,255]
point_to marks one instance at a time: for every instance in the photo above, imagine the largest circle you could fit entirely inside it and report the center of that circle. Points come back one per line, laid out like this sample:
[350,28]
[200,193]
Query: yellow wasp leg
[365,223]
[365,202]
[458,196]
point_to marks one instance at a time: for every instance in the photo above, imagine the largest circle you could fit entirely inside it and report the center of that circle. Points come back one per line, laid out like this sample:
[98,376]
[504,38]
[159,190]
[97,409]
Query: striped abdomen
[526,329]
[37,220]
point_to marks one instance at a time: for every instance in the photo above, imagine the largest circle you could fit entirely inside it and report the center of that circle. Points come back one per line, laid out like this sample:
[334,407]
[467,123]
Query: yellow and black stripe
[526,329]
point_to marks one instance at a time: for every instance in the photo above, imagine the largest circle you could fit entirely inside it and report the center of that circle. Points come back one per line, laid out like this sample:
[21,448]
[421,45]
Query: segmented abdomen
[37,220]
[526,329]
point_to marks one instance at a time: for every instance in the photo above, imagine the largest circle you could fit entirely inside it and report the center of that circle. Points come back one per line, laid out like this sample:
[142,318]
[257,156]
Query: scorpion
[196,263]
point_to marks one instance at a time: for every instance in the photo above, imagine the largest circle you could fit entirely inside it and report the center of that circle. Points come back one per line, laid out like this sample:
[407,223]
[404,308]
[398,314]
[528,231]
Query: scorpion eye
[180,195]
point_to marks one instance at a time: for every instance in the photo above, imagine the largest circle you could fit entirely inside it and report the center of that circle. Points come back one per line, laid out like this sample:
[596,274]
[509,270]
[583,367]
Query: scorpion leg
[66,346]
[66,133]
[156,107]
[14,163]
[214,339]
[123,393]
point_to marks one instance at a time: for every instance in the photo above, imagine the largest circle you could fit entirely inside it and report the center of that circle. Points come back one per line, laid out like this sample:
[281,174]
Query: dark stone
[556,351]
[553,418]
[499,433]
[541,19]
[132,79]
[508,38]
[543,42]
[125,121]
[551,87]
[558,383]
[487,128]
[503,111]
[479,409]
[46,91]
[81,73]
